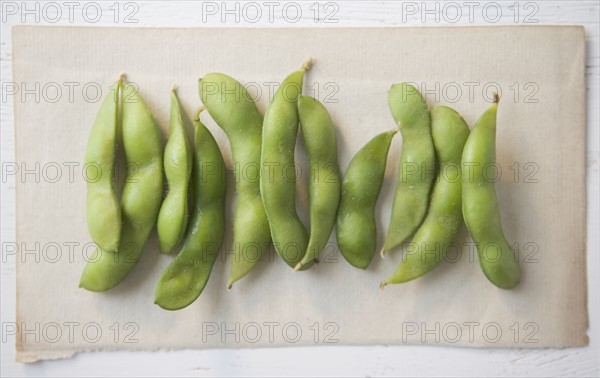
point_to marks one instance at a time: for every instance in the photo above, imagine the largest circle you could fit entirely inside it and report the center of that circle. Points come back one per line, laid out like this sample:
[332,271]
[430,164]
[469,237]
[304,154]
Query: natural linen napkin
[60,74]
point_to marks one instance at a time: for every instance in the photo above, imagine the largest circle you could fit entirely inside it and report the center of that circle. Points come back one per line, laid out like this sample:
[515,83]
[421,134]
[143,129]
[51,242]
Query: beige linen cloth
[539,71]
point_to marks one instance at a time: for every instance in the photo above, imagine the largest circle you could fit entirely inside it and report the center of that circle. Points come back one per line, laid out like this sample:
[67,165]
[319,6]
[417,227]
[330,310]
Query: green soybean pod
[278,170]
[437,233]
[234,111]
[173,214]
[417,164]
[324,181]
[480,205]
[356,228]
[102,205]
[141,197]
[185,278]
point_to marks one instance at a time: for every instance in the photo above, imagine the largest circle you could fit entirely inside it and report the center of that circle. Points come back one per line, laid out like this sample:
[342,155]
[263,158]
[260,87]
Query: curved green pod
[417,164]
[480,205]
[443,220]
[173,214]
[185,278]
[234,111]
[324,188]
[356,228]
[141,197]
[278,171]
[102,205]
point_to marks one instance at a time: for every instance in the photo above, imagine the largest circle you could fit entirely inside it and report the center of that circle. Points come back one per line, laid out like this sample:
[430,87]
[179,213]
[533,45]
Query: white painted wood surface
[321,361]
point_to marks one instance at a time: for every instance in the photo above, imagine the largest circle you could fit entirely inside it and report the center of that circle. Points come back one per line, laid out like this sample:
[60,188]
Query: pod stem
[307,64]
[382,253]
[197,119]
[297,267]
[382,285]
[120,84]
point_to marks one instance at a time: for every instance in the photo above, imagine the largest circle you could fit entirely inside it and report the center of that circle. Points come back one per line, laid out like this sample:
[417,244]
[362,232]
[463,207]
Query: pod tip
[173,87]
[382,285]
[382,253]
[122,76]
[307,64]
[496,98]
[229,285]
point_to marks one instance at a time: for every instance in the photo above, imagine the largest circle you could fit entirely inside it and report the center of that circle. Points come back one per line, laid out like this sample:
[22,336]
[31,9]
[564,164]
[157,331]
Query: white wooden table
[330,360]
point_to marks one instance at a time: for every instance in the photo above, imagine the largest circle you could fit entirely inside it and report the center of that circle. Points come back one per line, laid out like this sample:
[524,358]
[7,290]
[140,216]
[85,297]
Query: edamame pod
[356,228]
[436,234]
[173,215]
[102,205]
[234,111]
[480,205]
[141,197]
[185,278]
[417,164]
[324,182]
[278,170]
